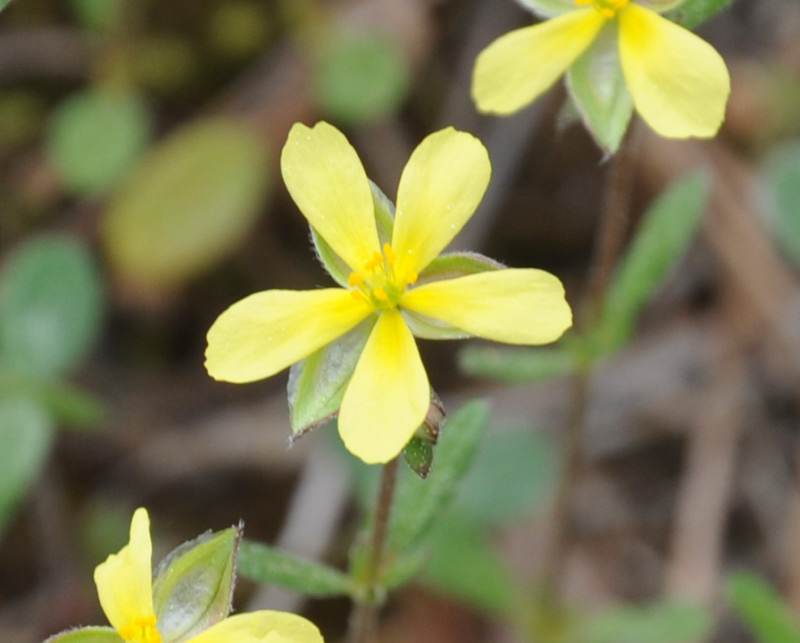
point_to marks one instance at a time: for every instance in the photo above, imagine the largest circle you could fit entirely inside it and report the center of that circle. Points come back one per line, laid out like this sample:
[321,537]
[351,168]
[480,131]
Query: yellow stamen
[355,279]
[380,294]
[608,8]
[390,255]
[411,277]
[375,261]
[142,630]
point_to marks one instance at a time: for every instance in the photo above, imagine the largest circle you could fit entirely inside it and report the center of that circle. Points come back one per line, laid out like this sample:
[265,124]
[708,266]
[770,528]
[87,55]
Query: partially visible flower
[388,395]
[125,588]
[678,82]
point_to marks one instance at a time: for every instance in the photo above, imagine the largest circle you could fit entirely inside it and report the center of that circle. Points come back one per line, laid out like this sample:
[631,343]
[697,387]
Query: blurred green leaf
[361,77]
[190,202]
[693,13]
[465,565]
[762,609]
[420,504]
[513,475]
[90,634]
[97,15]
[515,365]
[664,622]
[600,92]
[269,566]
[73,407]
[663,235]
[193,585]
[94,137]
[4,4]
[26,433]
[782,183]
[50,306]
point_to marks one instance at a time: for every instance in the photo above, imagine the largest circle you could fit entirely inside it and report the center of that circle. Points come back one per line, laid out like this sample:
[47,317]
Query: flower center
[377,283]
[609,8]
[142,630]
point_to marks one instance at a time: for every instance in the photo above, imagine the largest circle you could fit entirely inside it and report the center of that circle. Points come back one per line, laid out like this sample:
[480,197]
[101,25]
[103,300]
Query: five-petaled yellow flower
[678,82]
[388,395]
[125,587]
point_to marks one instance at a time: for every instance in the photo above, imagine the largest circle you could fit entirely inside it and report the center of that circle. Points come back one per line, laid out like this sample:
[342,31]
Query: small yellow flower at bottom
[124,586]
[678,82]
[388,395]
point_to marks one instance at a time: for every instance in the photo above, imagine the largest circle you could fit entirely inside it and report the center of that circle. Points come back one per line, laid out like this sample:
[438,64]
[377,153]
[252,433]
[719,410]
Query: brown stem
[612,227]
[364,620]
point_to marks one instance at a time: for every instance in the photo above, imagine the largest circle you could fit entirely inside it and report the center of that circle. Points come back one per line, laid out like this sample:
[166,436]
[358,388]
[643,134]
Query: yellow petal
[268,331]
[261,627]
[511,306]
[440,188]
[520,66]
[125,580]
[388,396]
[327,182]
[679,83]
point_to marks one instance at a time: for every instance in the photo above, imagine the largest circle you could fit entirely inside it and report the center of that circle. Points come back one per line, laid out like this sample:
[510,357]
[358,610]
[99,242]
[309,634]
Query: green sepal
[418,453]
[760,606]
[600,92]
[267,565]
[549,8]
[384,220]
[317,384]
[693,13]
[419,504]
[90,634]
[193,585]
[663,235]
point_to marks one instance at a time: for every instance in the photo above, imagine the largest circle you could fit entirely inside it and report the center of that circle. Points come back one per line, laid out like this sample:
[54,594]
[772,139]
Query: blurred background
[140,196]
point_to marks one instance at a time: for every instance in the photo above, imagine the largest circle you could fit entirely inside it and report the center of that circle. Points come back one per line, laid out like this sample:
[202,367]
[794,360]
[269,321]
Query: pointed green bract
[193,585]
[693,13]
[419,504]
[267,565]
[92,634]
[598,87]
[663,235]
[762,609]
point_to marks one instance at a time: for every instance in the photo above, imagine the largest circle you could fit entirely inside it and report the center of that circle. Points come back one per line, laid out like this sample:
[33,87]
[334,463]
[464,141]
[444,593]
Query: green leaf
[96,136]
[4,4]
[50,306]
[91,634]
[600,92]
[693,13]
[419,504]
[97,15]
[317,384]
[360,77]
[762,609]
[73,407]
[466,566]
[664,622]
[269,566]
[26,433]
[515,365]
[193,585]
[189,203]
[782,183]
[663,235]
[513,475]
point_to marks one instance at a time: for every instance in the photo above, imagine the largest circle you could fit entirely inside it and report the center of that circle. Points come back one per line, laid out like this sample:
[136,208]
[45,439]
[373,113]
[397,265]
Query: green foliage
[762,609]
[97,15]
[782,183]
[360,77]
[87,635]
[96,136]
[663,622]
[693,13]
[4,4]
[466,565]
[663,235]
[189,203]
[269,566]
[193,585]
[50,307]
[600,92]
[421,503]
[26,432]
[515,365]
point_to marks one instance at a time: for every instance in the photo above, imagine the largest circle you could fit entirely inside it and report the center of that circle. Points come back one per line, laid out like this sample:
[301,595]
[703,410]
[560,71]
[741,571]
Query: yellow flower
[678,82]
[388,395]
[124,585]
